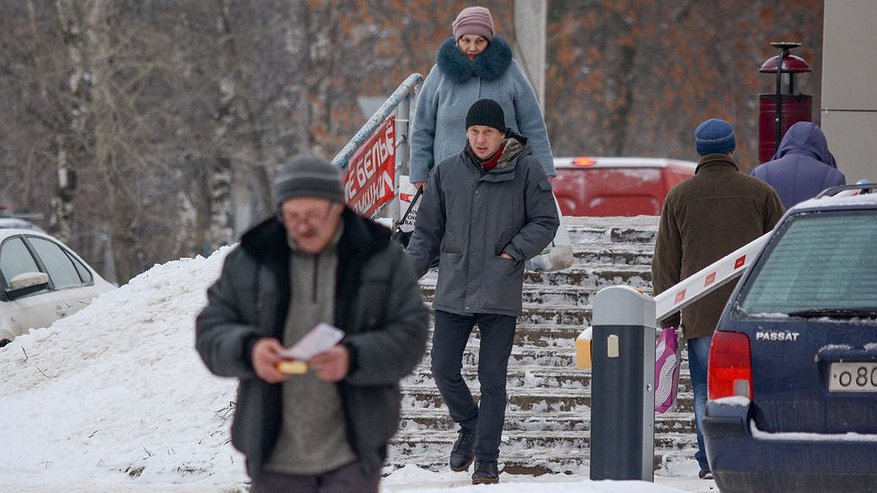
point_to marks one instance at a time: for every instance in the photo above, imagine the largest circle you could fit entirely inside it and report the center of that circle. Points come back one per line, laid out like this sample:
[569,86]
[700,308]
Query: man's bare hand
[420,185]
[506,256]
[331,366]
[266,355]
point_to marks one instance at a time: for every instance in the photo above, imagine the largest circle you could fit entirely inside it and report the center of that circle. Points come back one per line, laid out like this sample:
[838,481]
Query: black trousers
[448,343]
[345,479]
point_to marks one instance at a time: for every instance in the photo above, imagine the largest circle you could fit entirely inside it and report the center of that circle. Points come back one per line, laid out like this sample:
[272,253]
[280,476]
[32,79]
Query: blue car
[793,363]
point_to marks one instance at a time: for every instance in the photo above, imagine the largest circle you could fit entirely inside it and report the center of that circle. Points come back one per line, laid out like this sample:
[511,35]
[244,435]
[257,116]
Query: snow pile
[117,389]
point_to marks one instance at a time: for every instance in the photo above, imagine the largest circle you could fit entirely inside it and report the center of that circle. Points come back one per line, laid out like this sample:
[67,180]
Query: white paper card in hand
[319,340]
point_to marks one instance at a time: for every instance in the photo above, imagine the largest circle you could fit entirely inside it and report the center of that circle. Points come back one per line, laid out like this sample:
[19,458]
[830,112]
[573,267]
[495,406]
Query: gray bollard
[622,385]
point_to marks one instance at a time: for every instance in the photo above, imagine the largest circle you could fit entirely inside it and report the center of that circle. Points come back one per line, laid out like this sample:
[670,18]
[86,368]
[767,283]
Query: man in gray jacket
[323,428]
[485,211]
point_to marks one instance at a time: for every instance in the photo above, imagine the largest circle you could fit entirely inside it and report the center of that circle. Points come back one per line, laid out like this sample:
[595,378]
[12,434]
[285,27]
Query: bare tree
[152,129]
[77,22]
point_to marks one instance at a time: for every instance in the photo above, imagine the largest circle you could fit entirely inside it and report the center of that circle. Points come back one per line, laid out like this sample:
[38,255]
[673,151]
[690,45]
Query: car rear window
[821,260]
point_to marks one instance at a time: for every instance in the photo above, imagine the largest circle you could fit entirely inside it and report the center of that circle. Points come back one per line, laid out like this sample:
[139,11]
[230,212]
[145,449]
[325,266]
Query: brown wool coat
[705,218]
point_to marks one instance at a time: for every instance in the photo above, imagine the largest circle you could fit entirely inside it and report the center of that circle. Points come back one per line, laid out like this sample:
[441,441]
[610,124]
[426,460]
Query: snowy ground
[114,398]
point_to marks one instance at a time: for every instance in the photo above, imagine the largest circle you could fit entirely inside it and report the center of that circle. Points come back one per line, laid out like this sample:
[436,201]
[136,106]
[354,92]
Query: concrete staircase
[548,416]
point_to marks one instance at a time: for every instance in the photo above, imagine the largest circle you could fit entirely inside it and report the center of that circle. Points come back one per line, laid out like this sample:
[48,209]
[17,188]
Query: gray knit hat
[307,175]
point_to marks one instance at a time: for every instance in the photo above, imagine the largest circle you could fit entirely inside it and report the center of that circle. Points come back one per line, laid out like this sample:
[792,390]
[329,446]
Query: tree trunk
[71,141]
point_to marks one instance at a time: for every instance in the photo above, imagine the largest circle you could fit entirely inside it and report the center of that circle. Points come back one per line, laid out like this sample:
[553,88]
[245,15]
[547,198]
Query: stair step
[547,400]
[536,378]
[429,420]
[633,275]
[579,276]
[600,254]
[515,462]
[573,296]
[510,461]
[593,233]
[536,444]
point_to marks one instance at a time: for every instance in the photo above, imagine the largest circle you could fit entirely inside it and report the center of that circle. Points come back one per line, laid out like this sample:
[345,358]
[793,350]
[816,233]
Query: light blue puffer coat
[438,130]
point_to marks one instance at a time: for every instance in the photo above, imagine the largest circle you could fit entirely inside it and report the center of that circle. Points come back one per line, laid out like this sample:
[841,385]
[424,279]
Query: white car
[42,281]
[18,223]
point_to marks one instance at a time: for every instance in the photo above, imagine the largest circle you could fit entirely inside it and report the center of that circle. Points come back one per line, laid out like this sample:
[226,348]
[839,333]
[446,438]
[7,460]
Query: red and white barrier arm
[708,279]
[688,290]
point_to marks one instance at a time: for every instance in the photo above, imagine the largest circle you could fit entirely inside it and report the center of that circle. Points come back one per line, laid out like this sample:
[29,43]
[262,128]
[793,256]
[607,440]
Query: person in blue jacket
[473,64]
[802,166]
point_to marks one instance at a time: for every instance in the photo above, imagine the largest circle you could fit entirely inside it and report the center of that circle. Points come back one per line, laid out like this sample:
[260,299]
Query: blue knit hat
[714,136]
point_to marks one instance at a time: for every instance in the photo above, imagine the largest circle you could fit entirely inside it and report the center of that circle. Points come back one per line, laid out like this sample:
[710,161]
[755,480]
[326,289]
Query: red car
[616,186]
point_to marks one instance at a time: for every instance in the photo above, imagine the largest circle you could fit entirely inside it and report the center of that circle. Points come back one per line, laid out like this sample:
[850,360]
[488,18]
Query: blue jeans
[448,343]
[698,361]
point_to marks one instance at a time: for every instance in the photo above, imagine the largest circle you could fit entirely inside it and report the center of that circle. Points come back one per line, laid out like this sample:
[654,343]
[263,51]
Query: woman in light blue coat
[473,64]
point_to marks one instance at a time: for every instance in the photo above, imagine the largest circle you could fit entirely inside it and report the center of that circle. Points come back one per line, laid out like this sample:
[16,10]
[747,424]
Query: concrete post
[529,48]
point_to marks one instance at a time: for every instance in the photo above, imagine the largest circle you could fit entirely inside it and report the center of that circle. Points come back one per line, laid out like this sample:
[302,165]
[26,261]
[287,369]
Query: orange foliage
[631,77]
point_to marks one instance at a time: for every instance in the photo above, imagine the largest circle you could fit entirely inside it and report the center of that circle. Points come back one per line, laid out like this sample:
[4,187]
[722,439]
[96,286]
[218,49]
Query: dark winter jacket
[438,130]
[704,218]
[469,217]
[378,304]
[802,166]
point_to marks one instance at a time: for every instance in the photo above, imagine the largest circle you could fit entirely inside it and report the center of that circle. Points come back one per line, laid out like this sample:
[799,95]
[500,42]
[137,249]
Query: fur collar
[489,65]
[360,237]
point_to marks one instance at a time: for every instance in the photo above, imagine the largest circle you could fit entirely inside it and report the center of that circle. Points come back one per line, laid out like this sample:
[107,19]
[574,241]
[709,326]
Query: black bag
[404,237]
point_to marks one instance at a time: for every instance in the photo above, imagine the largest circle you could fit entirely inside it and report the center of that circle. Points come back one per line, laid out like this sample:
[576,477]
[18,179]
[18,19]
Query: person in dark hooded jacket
[323,428]
[472,64]
[802,166]
[486,211]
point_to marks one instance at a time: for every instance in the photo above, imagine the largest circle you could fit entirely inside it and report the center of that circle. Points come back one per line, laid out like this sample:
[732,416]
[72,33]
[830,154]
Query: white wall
[849,86]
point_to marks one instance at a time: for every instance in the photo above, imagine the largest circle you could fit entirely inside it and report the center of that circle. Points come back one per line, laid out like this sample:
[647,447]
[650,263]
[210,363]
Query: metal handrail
[400,102]
[405,90]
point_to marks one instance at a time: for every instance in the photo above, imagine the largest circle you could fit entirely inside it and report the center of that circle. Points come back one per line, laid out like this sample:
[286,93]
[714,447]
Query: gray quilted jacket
[469,217]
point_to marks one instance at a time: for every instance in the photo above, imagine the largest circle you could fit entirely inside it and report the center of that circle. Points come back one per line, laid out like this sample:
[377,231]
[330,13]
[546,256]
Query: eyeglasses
[312,218]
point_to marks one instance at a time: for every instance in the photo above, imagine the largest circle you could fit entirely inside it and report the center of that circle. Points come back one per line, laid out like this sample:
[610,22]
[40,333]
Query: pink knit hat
[473,20]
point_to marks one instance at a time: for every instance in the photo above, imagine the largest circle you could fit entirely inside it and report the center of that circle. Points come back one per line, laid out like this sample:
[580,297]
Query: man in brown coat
[706,217]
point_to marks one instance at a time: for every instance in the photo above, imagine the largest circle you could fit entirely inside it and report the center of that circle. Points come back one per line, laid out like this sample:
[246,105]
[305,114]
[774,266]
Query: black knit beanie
[486,112]
[307,175]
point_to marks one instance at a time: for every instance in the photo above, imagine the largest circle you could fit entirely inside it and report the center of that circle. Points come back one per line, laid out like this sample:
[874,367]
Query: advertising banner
[368,183]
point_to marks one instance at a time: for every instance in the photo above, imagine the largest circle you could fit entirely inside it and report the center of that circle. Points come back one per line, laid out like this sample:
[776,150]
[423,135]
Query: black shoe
[464,450]
[485,472]
[705,474]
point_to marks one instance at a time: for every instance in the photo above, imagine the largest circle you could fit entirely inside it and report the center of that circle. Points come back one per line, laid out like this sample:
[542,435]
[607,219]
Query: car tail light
[730,366]
[584,161]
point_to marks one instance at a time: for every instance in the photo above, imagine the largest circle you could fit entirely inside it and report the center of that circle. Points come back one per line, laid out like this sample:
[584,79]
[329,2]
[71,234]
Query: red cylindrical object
[796,108]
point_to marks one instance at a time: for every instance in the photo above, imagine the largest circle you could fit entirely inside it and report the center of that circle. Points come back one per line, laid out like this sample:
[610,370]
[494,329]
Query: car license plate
[853,377]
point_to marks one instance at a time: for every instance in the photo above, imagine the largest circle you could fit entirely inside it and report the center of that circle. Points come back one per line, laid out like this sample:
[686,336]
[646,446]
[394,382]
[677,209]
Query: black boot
[463,451]
[485,472]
